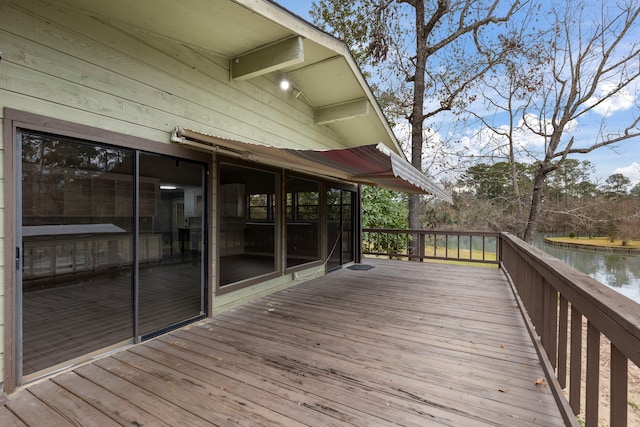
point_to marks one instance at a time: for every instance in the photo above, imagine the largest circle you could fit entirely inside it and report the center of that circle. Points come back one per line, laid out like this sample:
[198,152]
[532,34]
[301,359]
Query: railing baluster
[619,381]
[446,246]
[593,376]
[575,376]
[550,316]
[562,341]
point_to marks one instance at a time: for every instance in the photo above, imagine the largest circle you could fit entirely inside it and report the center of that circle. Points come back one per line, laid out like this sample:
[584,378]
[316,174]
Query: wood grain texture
[136,82]
[404,343]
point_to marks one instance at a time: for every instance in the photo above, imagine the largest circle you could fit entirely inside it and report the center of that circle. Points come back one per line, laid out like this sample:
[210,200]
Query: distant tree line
[573,204]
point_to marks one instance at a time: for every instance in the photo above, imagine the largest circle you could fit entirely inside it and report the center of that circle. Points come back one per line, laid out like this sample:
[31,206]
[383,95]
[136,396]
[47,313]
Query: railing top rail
[615,315]
[435,232]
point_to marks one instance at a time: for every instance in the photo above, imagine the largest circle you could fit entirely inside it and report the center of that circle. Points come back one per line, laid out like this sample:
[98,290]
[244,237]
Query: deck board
[404,343]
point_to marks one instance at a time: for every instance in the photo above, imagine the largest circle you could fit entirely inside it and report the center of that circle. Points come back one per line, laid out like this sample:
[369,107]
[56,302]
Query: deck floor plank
[329,391]
[72,407]
[243,384]
[34,412]
[140,398]
[475,373]
[106,401]
[9,419]
[404,343]
[384,377]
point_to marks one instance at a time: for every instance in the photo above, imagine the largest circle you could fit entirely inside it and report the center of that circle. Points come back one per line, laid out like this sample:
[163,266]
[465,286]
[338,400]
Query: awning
[368,164]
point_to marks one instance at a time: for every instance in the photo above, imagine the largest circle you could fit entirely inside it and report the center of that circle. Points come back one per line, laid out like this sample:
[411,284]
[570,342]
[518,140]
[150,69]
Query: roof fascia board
[296,24]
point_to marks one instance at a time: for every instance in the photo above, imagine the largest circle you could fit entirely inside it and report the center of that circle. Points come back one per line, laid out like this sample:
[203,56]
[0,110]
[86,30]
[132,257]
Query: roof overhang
[259,42]
[369,164]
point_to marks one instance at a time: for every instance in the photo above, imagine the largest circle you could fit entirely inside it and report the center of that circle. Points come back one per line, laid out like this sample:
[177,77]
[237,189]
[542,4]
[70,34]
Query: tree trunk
[536,206]
[417,119]
[518,196]
[417,116]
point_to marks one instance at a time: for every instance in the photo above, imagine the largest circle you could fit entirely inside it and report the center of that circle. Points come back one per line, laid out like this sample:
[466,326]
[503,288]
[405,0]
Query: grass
[466,257]
[601,242]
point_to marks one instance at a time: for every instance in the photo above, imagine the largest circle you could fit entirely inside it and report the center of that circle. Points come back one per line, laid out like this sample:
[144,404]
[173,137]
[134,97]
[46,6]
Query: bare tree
[440,48]
[505,93]
[595,58]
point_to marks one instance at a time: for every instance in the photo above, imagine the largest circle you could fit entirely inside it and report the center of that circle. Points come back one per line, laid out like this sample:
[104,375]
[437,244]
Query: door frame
[356,224]
[15,120]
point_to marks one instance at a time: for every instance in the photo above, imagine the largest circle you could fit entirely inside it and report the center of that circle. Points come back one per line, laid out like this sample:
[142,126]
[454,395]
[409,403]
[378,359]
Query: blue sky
[623,158]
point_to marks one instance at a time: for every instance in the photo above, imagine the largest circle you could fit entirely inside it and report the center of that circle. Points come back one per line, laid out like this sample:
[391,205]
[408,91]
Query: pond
[618,271]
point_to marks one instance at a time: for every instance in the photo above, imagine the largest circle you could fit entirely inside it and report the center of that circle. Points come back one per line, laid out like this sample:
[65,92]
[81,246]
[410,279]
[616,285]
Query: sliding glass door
[112,247]
[77,237]
[171,244]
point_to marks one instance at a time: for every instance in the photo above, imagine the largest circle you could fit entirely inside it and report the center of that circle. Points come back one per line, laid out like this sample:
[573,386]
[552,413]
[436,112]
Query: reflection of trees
[51,152]
[50,165]
[615,270]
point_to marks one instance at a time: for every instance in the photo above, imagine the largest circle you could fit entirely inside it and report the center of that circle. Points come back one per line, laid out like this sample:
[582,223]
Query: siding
[76,68]
[68,66]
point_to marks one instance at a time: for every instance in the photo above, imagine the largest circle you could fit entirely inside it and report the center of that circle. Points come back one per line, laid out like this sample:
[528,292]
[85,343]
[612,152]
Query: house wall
[66,65]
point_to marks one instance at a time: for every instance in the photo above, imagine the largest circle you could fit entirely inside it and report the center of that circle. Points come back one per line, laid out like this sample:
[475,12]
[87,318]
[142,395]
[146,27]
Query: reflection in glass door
[112,245]
[77,240]
[171,243]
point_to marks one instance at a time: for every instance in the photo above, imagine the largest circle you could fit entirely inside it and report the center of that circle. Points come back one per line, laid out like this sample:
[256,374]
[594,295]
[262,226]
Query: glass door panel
[247,228]
[348,227]
[334,227]
[171,220]
[77,237]
[302,221]
[340,227]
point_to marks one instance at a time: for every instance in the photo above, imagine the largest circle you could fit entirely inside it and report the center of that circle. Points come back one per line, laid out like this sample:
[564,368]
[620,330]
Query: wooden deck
[403,343]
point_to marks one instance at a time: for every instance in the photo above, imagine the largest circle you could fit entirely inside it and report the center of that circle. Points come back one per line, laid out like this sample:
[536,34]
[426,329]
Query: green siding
[68,66]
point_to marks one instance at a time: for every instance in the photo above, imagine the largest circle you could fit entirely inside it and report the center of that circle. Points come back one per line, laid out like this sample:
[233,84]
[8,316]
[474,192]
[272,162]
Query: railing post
[421,244]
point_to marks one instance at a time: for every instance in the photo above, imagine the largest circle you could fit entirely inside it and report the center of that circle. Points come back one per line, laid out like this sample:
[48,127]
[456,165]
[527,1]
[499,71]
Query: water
[620,272]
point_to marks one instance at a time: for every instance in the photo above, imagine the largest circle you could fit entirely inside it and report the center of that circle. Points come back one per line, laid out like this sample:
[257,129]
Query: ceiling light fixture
[285,84]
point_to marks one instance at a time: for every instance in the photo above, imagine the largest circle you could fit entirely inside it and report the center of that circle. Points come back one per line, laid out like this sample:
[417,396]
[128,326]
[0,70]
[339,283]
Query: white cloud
[621,101]
[525,137]
[632,172]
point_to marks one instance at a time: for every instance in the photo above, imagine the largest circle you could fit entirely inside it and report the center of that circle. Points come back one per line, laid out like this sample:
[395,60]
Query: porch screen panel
[302,217]
[77,234]
[247,206]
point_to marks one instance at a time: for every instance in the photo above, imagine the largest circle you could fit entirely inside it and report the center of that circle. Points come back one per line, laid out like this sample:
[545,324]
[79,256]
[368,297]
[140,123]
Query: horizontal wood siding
[66,65]
[76,68]
[405,343]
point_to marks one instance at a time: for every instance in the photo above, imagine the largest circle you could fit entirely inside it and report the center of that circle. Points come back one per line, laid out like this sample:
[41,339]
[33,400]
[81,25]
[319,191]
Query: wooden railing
[558,300]
[476,247]
[574,320]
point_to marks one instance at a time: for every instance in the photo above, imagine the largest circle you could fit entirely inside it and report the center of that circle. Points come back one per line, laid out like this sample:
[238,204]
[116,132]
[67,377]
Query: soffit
[328,75]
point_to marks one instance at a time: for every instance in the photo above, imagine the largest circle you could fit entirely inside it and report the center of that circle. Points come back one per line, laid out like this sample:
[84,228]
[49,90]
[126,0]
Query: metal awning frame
[378,165]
